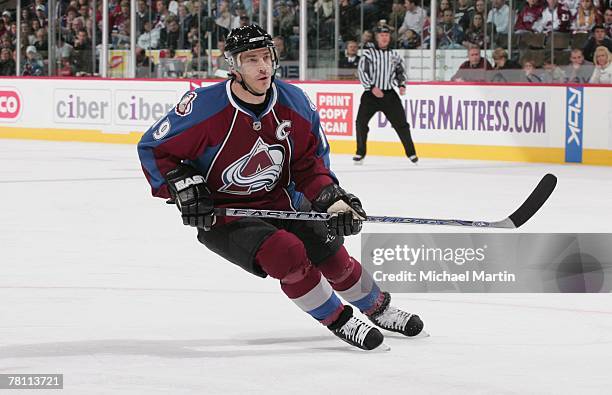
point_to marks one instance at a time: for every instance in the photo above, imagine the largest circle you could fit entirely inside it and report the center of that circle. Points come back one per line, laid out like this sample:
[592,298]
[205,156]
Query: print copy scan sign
[336,113]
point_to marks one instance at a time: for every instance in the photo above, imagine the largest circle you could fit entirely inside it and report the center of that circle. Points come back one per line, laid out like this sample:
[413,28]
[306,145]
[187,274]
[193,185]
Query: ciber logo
[10,104]
[184,107]
[281,130]
[259,169]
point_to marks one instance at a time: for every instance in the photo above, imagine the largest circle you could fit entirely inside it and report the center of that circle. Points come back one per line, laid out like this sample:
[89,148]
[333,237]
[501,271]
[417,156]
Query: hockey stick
[532,204]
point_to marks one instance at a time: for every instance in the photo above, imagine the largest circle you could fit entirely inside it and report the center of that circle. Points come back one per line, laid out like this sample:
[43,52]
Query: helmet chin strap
[248,88]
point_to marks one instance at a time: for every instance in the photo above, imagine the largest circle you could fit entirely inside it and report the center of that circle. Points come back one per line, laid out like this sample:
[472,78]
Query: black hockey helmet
[382,27]
[247,38]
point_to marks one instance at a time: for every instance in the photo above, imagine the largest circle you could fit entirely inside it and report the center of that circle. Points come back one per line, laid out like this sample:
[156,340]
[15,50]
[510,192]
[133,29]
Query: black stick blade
[538,197]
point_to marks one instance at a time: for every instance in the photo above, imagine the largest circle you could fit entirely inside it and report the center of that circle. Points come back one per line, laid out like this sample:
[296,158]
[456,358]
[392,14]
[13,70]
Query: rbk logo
[281,130]
[259,169]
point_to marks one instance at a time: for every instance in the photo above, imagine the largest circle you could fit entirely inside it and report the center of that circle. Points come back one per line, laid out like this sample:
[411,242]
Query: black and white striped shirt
[381,68]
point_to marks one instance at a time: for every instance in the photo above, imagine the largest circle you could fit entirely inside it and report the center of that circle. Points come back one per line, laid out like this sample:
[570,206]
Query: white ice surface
[103,283]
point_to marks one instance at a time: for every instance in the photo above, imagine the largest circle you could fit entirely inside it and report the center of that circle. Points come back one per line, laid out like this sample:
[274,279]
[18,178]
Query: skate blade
[384,347]
[421,335]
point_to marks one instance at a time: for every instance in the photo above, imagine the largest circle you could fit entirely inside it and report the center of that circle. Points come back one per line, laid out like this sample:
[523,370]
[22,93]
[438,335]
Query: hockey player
[252,142]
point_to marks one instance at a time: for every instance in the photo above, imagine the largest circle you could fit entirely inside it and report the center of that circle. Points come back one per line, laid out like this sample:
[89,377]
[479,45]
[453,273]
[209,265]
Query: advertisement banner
[526,123]
[573,124]
[336,113]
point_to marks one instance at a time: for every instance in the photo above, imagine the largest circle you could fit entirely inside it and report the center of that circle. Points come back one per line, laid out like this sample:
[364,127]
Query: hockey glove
[346,207]
[192,196]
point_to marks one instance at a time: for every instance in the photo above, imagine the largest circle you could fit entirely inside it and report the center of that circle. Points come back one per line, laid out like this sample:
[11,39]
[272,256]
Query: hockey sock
[284,257]
[354,284]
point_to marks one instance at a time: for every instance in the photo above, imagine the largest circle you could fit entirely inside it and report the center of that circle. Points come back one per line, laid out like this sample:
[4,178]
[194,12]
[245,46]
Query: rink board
[525,123]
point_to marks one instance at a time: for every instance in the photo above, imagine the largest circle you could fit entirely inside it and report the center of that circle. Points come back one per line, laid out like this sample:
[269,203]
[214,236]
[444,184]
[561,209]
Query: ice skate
[414,159]
[356,332]
[395,320]
[358,159]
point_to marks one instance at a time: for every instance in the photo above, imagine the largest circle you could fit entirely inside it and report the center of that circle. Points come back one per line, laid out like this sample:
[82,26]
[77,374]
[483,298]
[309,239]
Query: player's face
[256,69]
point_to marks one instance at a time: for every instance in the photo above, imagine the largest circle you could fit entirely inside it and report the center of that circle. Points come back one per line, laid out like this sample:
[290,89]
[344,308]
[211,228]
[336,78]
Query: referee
[379,68]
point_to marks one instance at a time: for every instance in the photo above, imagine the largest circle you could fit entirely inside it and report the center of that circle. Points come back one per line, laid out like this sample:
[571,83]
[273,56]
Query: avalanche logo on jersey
[259,169]
[281,130]
[184,107]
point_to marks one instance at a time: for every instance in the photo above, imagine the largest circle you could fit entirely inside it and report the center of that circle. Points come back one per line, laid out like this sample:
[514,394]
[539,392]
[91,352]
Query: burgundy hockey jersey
[266,162]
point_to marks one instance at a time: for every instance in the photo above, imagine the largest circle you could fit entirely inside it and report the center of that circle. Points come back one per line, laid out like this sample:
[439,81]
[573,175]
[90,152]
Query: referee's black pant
[391,105]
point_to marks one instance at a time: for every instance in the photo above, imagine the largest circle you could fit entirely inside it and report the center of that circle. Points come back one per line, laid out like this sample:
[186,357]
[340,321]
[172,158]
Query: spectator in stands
[443,5]
[26,16]
[555,17]
[32,66]
[219,62]
[27,34]
[479,7]
[500,57]
[123,15]
[149,39]
[603,67]
[7,64]
[67,68]
[450,35]
[473,69]
[161,14]
[586,17]
[475,33]
[142,14]
[7,17]
[597,39]
[552,74]
[82,53]
[505,70]
[464,13]
[185,19]
[499,16]
[608,22]
[397,14]
[224,17]
[199,62]
[529,72]
[281,50]
[120,36]
[41,43]
[84,11]
[531,12]
[3,28]
[144,66]
[6,42]
[170,37]
[366,37]
[350,59]
[41,15]
[578,71]
[413,20]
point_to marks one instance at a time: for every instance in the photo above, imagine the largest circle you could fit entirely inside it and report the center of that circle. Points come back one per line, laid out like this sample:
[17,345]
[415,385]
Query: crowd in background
[194,26]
